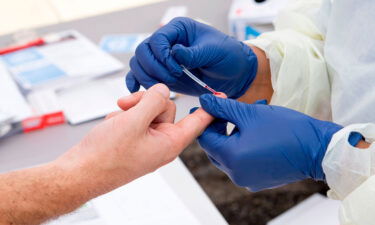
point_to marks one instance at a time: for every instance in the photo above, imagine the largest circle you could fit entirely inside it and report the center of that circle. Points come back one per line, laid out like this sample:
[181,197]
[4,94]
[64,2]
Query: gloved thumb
[213,140]
[187,56]
[225,109]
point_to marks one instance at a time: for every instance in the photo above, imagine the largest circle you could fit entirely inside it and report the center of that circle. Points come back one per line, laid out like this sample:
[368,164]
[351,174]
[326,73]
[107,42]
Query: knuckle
[132,63]
[140,48]
[156,37]
[129,76]
[159,99]
[172,105]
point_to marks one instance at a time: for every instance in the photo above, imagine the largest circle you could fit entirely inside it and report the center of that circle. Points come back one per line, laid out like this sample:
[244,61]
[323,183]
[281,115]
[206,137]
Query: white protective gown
[322,57]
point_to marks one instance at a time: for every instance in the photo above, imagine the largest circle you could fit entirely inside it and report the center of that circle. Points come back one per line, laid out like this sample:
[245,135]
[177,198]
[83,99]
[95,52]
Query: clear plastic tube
[197,80]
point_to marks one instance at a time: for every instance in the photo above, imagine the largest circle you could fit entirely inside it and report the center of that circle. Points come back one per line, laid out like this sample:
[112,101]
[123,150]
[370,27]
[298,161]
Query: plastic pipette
[197,80]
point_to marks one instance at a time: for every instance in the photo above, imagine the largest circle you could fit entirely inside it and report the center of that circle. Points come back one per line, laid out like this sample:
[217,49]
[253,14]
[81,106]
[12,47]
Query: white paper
[44,101]
[148,200]
[92,100]
[61,64]
[85,215]
[314,210]
[12,101]
[80,57]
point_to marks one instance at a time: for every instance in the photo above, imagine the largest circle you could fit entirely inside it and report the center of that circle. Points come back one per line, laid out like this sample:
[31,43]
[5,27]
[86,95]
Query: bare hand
[138,140]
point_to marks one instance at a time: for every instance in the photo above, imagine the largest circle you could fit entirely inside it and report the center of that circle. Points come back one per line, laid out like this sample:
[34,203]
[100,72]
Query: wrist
[96,174]
[248,70]
[75,176]
[363,144]
[85,173]
[327,130]
[261,87]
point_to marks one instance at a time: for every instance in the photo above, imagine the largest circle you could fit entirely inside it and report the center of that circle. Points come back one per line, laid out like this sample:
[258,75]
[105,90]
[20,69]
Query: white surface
[28,14]
[21,14]
[92,100]
[314,210]
[11,100]
[148,200]
[76,9]
[44,102]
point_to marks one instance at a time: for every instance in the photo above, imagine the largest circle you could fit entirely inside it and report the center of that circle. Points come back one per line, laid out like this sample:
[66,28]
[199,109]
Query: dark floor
[239,206]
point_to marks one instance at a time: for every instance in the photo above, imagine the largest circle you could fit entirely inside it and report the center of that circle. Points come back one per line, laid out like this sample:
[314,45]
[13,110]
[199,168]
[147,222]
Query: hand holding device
[222,62]
[270,146]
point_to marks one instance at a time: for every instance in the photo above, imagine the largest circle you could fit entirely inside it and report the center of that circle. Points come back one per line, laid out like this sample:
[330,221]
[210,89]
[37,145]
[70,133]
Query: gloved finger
[189,56]
[161,42]
[213,139]
[226,109]
[152,66]
[142,77]
[130,101]
[131,82]
[153,103]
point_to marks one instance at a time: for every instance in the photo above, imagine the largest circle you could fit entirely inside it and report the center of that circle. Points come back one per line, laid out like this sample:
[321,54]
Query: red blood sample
[210,89]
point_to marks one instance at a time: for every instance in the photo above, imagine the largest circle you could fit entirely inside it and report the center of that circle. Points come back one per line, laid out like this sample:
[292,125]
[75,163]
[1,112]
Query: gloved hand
[270,146]
[225,64]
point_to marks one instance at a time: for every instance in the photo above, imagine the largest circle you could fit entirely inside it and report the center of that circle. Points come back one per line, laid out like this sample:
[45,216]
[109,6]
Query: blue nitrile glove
[225,64]
[270,146]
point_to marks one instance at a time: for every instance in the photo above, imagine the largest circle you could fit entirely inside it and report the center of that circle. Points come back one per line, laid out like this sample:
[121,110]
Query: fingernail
[125,98]
[220,94]
[162,89]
